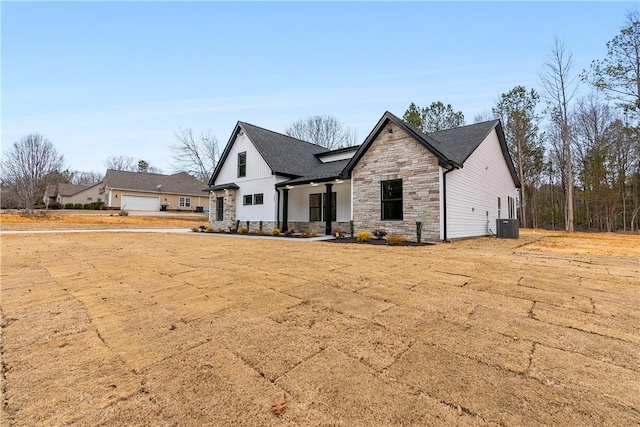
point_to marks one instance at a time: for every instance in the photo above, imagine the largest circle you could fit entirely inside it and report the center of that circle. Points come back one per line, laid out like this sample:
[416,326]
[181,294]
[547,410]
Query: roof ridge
[465,126]
[283,134]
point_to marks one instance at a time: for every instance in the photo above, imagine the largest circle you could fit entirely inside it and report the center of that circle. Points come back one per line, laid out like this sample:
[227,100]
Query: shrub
[220,230]
[243,230]
[418,231]
[77,206]
[379,233]
[260,226]
[337,233]
[123,213]
[351,228]
[99,205]
[68,205]
[304,234]
[290,232]
[313,233]
[396,240]
[275,232]
[87,206]
[363,236]
[261,232]
[208,229]
[195,229]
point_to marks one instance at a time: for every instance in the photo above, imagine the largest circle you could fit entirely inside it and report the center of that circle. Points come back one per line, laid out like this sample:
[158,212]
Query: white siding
[473,191]
[343,155]
[258,179]
[264,212]
[257,168]
[299,201]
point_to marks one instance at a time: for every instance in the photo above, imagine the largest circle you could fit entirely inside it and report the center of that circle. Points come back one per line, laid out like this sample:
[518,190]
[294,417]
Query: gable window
[258,198]
[242,165]
[247,199]
[185,202]
[317,203]
[219,208]
[391,199]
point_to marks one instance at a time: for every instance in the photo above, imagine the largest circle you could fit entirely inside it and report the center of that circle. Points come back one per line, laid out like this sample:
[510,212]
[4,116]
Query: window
[242,165]
[333,205]
[247,199]
[392,199]
[315,207]
[317,203]
[258,199]
[499,206]
[185,202]
[512,207]
[219,208]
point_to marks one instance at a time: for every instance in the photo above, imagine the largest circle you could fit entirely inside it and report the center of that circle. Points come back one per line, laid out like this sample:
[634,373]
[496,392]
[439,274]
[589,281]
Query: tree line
[32,163]
[578,159]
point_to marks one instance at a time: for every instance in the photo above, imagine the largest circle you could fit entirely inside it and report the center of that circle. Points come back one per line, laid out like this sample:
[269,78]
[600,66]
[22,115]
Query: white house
[454,183]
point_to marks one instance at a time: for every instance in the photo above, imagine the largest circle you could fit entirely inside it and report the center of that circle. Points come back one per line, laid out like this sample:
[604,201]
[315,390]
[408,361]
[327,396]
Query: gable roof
[178,183]
[451,147]
[283,154]
[71,189]
[323,173]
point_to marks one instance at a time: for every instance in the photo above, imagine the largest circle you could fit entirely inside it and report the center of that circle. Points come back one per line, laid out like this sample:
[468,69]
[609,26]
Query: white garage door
[140,203]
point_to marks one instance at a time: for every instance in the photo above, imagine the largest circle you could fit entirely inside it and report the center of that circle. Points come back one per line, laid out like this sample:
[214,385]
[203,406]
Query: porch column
[285,209]
[327,210]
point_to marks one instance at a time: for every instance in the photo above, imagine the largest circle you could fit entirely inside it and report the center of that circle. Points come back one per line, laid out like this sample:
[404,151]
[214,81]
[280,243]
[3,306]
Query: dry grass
[202,329]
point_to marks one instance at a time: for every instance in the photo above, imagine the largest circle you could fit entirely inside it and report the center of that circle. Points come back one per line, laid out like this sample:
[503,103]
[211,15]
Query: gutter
[450,168]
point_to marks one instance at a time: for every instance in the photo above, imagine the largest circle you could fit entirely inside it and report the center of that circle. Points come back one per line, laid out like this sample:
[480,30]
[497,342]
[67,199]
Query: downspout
[444,202]
[278,209]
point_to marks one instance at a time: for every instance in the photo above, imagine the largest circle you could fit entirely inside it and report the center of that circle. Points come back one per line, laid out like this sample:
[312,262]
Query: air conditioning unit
[508,228]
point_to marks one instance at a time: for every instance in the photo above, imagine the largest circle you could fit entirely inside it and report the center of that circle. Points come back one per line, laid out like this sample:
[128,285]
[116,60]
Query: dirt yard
[159,329]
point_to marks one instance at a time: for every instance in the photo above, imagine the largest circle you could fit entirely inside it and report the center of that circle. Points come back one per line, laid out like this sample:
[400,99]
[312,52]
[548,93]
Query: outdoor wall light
[389,129]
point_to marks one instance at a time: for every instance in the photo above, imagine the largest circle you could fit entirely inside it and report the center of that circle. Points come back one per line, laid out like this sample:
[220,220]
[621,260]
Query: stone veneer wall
[396,155]
[228,213]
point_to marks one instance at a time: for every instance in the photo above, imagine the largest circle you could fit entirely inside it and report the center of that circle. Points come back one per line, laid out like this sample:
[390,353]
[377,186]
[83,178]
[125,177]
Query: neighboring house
[455,182]
[152,191]
[58,195]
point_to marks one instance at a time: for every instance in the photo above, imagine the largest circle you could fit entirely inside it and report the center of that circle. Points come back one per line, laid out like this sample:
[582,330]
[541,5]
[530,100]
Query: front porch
[315,206]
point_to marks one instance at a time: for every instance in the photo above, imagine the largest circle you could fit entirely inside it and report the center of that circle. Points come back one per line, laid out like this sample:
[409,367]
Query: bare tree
[25,166]
[484,116]
[618,74]
[196,155]
[326,131]
[517,110]
[121,163]
[559,89]
[84,178]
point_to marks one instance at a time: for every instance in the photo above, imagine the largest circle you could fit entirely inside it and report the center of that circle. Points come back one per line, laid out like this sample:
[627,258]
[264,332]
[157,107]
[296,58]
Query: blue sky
[119,78]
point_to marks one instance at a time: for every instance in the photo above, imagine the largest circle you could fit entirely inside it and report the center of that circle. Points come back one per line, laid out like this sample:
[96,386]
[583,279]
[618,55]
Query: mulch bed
[375,242]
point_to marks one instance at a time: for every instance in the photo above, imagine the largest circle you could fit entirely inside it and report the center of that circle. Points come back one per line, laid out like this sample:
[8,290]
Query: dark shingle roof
[179,183]
[452,147]
[285,155]
[461,142]
[322,173]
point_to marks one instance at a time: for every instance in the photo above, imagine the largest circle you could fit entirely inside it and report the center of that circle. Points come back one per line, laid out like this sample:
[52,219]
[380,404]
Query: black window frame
[247,199]
[315,211]
[219,208]
[385,202]
[242,164]
[334,210]
[258,199]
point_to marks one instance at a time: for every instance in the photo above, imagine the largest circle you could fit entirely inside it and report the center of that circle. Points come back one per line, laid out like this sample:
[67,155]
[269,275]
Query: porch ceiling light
[313,184]
[339,181]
